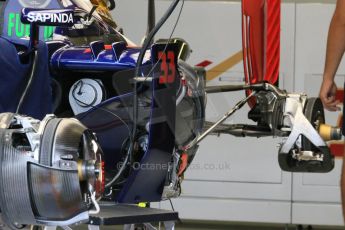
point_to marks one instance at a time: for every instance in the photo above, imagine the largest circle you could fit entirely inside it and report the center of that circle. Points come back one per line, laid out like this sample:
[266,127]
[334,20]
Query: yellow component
[329,133]
[142,205]
[80,170]
[103,11]
[325,132]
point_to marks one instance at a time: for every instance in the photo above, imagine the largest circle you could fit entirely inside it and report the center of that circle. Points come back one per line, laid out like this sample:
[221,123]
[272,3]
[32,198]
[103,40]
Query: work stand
[130,216]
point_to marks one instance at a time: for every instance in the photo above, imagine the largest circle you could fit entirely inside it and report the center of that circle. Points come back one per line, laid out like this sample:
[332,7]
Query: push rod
[238,106]
[230,88]
[241,130]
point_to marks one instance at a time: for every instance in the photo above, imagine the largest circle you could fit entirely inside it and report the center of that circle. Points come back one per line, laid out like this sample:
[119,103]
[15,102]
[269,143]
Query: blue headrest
[10,24]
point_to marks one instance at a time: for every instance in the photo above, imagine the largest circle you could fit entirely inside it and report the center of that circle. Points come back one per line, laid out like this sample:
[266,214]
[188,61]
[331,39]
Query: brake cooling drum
[39,178]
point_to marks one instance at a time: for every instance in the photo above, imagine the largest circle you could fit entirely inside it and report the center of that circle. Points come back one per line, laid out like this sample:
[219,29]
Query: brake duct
[51,171]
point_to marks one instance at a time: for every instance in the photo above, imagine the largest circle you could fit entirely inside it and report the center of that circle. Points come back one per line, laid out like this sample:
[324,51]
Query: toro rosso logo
[48,17]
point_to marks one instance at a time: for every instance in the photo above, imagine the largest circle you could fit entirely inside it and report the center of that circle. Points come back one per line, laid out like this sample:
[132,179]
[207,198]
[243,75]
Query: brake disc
[51,171]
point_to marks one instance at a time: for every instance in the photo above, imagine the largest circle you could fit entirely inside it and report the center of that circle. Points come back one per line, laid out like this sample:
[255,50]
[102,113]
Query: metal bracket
[301,126]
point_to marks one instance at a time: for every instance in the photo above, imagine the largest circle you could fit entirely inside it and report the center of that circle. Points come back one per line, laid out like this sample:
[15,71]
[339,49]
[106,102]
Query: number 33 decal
[168,67]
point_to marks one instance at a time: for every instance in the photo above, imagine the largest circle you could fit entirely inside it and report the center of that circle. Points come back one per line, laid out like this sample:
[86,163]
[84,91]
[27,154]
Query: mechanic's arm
[334,54]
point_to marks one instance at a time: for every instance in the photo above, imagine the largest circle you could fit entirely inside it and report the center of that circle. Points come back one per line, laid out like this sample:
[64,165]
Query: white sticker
[34,3]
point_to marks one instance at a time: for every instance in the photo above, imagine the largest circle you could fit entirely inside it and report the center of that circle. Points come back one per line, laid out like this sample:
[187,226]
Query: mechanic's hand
[327,95]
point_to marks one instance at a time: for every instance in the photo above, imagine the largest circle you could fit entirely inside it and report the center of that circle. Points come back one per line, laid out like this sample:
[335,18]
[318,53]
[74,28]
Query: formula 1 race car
[128,120]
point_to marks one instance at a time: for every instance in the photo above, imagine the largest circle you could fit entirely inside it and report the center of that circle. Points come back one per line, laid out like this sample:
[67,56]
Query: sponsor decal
[168,67]
[48,17]
[15,28]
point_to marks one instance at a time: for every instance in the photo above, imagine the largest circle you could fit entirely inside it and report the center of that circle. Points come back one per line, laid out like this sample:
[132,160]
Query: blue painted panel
[81,58]
[11,14]
[146,183]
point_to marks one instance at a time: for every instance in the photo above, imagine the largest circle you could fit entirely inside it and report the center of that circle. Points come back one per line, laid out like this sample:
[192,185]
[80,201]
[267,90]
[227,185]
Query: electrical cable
[172,206]
[125,162]
[96,107]
[95,203]
[32,72]
[89,16]
[139,63]
[132,133]
[166,46]
[112,5]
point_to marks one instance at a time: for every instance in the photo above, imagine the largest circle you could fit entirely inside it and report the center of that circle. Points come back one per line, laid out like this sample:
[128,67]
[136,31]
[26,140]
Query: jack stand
[132,216]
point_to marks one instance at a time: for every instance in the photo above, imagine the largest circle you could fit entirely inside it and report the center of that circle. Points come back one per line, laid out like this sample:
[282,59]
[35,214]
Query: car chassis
[61,162]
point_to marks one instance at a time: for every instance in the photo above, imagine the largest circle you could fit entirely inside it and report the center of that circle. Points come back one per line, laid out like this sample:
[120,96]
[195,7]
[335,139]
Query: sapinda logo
[46,17]
[34,3]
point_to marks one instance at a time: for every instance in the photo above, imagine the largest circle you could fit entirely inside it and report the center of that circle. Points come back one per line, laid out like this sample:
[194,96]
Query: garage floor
[190,225]
[244,226]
